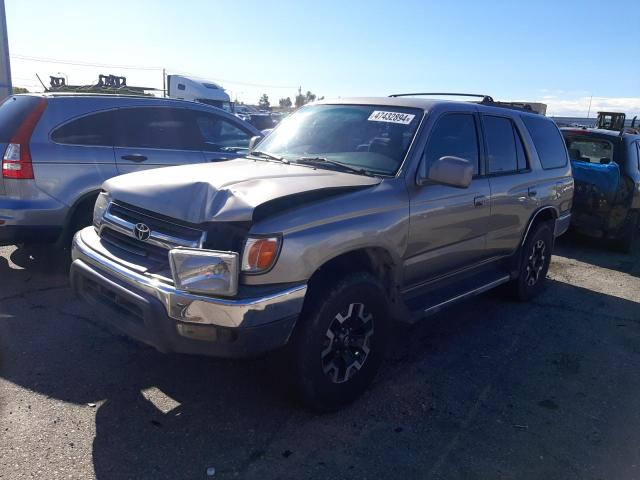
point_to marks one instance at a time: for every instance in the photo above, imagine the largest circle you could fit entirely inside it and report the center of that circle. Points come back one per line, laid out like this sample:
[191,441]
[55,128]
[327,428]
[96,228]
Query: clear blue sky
[560,52]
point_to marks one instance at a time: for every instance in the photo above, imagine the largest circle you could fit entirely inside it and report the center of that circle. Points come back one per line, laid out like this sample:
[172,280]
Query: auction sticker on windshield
[391,117]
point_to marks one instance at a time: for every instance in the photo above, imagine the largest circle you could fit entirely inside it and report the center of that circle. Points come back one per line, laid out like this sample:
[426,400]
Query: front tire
[534,264]
[339,342]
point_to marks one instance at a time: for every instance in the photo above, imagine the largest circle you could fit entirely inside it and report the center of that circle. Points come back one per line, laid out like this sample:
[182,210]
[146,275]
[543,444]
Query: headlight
[102,203]
[204,271]
[260,254]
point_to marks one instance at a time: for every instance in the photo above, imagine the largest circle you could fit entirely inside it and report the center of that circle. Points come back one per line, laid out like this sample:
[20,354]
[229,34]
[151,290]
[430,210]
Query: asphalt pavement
[488,389]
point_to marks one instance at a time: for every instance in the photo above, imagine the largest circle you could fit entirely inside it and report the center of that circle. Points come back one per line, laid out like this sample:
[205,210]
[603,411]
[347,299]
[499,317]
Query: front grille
[134,246]
[156,223]
[118,230]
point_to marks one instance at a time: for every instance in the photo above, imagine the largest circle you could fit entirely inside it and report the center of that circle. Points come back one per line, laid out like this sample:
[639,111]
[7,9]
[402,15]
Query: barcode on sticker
[391,117]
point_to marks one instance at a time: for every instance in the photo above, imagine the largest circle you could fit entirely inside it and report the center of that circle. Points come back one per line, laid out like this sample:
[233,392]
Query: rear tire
[629,235]
[534,264]
[339,342]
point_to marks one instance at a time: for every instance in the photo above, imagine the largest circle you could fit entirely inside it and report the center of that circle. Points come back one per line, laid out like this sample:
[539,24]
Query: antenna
[41,83]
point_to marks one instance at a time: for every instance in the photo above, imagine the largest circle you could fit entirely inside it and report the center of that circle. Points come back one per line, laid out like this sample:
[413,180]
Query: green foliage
[20,90]
[302,99]
[264,102]
[285,102]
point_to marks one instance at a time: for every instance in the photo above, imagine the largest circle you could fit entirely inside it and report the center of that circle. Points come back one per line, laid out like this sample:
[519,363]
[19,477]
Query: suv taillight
[16,161]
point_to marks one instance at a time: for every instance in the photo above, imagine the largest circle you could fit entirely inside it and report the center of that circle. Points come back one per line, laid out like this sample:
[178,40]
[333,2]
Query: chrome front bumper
[248,312]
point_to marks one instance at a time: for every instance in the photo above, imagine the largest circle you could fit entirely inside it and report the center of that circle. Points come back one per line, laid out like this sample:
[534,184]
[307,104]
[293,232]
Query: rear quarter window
[95,129]
[548,141]
[13,111]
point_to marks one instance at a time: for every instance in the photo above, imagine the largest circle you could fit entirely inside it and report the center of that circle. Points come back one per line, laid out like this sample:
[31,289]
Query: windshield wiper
[233,149]
[343,166]
[270,156]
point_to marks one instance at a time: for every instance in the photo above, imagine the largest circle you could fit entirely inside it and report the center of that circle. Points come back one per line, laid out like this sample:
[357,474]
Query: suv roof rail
[522,106]
[485,98]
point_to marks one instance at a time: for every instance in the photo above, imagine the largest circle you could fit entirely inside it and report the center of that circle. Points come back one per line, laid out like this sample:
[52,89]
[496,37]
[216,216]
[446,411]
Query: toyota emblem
[141,231]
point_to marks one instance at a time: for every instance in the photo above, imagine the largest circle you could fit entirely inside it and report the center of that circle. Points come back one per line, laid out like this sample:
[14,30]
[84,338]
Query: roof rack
[107,84]
[522,106]
[485,98]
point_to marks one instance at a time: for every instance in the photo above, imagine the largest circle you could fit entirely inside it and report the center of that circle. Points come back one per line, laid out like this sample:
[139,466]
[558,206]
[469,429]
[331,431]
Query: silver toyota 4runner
[349,216]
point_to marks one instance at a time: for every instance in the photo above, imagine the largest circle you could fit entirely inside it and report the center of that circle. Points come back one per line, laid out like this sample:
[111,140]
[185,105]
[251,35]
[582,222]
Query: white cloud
[579,107]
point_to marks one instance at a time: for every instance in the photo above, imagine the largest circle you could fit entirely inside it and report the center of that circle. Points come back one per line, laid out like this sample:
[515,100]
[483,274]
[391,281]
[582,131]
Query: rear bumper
[171,320]
[562,224]
[30,221]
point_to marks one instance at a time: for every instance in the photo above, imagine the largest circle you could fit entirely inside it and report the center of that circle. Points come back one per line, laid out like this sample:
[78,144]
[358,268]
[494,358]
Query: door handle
[532,192]
[479,200]
[136,157]
[219,159]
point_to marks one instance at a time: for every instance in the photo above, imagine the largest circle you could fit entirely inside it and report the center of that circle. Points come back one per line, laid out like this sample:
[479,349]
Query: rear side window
[547,140]
[13,111]
[157,127]
[95,129]
[505,152]
[523,163]
[454,135]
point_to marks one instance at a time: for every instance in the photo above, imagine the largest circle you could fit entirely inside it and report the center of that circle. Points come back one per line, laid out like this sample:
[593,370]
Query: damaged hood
[225,191]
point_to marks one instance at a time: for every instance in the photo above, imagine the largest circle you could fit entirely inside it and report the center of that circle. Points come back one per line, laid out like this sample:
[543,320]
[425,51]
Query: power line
[134,67]
[80,63]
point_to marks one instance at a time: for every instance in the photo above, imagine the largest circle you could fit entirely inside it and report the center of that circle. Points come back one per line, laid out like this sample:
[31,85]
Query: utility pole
[589,111]
[5,67]
[164,83]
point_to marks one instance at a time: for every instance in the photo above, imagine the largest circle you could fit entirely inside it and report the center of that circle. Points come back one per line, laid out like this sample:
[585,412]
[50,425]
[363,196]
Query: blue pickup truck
[606,170]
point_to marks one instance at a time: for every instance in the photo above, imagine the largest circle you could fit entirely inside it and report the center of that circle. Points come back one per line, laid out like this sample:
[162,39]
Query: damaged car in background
[350,216]
[606,168]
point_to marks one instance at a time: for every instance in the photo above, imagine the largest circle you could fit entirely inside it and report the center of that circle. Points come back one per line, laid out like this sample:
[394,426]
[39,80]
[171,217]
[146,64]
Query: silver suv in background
[58,149]
[350,215]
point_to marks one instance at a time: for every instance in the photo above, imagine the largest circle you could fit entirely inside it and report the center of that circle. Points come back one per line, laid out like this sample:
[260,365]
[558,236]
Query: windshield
[371,138]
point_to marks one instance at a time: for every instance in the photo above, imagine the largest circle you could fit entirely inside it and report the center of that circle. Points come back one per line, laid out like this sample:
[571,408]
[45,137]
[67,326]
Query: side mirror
[452,171]
[254,141]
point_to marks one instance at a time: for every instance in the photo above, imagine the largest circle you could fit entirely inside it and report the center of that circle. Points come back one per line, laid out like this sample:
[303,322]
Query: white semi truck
[195,90]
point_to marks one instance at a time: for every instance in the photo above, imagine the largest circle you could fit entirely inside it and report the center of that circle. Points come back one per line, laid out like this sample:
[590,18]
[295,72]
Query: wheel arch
[84,200]
[544,214]
[541,215]
[376,260]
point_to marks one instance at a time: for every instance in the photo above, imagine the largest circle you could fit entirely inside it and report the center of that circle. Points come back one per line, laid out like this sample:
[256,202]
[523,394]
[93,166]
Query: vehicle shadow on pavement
[40,259]
[31,270]
[598,252]
[487,387]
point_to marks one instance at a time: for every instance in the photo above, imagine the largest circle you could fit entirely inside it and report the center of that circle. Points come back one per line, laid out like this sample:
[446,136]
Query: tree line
[300,100]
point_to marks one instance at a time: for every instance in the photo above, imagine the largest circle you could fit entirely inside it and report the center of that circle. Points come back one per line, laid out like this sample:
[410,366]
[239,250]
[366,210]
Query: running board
[455,290]
[463,296]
